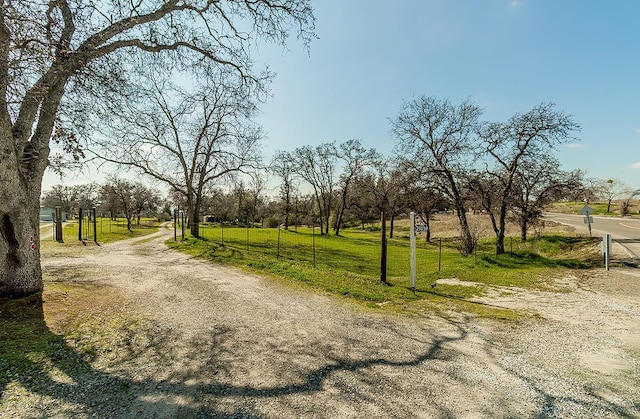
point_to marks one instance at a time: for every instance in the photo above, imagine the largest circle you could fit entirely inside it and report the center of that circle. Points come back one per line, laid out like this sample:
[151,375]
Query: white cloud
[576,145]
[637,130]
[516,3]
[636,165]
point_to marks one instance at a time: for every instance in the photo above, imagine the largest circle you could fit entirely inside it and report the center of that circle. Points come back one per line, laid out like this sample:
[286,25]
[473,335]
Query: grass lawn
[107,231]
[349,265]
[599,208]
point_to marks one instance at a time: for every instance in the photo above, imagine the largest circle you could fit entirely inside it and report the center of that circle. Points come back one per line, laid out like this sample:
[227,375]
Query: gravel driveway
[218,342]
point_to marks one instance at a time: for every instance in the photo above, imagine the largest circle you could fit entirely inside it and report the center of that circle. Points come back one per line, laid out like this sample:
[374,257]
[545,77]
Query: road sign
[588,220]
[421,228]
[586,210]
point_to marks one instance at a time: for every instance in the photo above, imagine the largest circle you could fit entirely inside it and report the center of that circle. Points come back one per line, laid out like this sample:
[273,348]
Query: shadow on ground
[64,383]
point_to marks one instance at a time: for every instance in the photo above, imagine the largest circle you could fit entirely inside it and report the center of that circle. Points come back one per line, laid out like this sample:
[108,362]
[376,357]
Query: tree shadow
[526,259]
[47,366]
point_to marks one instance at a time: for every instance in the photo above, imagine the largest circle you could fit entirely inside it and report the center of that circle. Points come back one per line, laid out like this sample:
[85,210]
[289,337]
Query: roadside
[625,232]
[159,334]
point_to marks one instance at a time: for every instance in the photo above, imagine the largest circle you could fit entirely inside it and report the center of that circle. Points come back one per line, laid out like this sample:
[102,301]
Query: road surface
[625,231]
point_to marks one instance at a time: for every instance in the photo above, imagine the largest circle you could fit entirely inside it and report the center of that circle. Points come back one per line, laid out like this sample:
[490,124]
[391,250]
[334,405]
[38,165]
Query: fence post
[182,223]
[95,226]
[278,241]
[383,250]
[440,254]
[247,238]
[58,226]
[175,224]
[80,224]
[222,232]
[412,240]
[313,243]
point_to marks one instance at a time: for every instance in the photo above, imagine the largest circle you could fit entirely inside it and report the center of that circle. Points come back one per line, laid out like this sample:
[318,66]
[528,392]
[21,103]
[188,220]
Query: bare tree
[49,50]
[539,182]
[256,190]
[525,137]
[132,198]
[440,136]
[610,190]
[62,196]
[70,198]
[206,136]
[282,165]
[361,202]
[356,158]
[625,205]
[420,193]
[317,166]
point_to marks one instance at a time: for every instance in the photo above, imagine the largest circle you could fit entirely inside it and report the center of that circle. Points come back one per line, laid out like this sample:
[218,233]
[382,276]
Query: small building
[49,214]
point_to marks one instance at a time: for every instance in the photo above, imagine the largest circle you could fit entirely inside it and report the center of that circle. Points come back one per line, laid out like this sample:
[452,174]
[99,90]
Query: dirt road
[217,342]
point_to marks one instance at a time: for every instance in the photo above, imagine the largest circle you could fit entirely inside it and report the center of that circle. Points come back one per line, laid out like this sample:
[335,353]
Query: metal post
[182,224]
[247,238]
[175,224]
[95,226]
[80,224]
[58,229]
[440,255]
[313,243]
[222,231]
[412,239]
[606,249]
[278,241]
[383,249]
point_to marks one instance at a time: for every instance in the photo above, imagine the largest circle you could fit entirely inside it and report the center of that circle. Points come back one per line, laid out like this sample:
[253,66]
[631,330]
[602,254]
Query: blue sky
[505,55]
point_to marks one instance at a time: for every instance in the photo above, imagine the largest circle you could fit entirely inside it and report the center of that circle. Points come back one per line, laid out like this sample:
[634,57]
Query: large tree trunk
[339,220]
[500,232]
[20,185]
[427,221]
[465,231]
[194,219]
[524,225]
[343,207]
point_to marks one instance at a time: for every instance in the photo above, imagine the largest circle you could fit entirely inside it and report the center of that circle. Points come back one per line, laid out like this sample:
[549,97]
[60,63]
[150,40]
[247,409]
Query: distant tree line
[114,198]
[446,159]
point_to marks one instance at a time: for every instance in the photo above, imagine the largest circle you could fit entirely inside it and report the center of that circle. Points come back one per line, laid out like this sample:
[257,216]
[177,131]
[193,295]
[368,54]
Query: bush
[272,222]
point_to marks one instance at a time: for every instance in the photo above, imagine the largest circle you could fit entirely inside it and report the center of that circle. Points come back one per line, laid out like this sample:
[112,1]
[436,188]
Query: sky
[507,56]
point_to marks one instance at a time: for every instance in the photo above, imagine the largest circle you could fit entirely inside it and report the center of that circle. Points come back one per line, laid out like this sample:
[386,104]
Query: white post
[412,235]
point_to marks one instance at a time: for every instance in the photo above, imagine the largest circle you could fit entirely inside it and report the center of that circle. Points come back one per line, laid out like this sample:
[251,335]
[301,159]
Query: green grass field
[107,231]
[599,208]
[349,265]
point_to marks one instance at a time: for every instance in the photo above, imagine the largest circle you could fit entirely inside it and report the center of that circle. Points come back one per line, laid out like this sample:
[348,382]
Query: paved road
[625,231]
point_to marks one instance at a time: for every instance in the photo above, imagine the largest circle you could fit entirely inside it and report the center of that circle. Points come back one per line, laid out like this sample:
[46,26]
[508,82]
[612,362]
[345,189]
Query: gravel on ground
[214,341]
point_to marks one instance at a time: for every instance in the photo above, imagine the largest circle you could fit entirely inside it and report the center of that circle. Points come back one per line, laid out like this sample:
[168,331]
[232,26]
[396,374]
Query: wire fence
[354,251]
[103,226]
